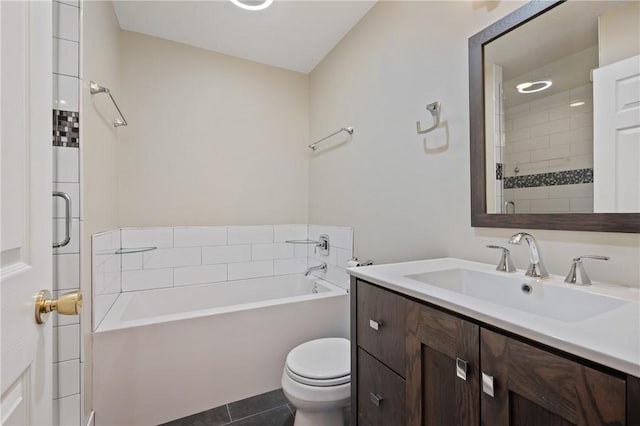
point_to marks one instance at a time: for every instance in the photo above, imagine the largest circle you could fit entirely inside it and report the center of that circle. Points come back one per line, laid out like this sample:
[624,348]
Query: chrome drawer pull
[375,399]
[487,384]
[461,368]
[375,324]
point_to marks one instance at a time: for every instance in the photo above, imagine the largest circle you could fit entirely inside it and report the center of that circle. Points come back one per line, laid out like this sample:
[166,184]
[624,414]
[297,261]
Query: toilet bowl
[317,381]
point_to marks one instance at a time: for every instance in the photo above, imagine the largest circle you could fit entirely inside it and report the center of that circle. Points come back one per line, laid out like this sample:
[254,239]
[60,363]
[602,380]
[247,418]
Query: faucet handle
[505,264]
[577,274]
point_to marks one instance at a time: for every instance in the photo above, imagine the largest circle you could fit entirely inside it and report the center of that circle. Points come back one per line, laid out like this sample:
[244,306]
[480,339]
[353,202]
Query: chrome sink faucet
[536,268]
[321,267]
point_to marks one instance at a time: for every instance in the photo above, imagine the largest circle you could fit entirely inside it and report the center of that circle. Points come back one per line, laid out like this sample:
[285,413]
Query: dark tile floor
[267,409]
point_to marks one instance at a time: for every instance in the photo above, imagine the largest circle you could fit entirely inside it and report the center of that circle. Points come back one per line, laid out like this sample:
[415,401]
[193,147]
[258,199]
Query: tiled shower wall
[67,360]
[201,255]
[544,137]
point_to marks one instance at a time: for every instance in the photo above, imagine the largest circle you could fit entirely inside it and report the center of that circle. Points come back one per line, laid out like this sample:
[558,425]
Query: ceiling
[560,45]
[294,35]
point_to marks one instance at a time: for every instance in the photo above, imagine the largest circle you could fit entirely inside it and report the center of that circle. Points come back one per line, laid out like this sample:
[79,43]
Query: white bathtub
[164,354]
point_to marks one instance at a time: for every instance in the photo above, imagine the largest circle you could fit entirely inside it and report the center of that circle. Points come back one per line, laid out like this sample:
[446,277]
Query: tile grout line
[229,413]
[261,412]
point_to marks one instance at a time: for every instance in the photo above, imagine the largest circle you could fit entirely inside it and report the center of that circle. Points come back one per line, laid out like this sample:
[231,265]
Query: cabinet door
[440,390]
[534,387]
[381,399]
[381,322]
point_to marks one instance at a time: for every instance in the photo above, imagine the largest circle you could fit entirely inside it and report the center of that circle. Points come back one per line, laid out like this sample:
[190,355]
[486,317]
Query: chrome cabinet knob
[67,304]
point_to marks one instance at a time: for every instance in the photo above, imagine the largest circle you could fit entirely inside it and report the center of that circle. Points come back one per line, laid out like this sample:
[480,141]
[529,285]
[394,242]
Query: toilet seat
[321,362]
[336,381]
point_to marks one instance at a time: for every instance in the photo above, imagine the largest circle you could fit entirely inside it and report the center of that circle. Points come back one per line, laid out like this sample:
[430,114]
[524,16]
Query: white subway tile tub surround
[107,272]
[201,255]
[66,345]
[65,57]
[549,135]
[250,234]
[67,410]
[66,378]
[66,164]
[576,198]
[200,236]
[201,274]
[147,237]
[172,257]
[66,21]
[241,271]
[207,254]
[226,254]
[552,132]
[66,93]
[66,272]
[147,279]
[67,337]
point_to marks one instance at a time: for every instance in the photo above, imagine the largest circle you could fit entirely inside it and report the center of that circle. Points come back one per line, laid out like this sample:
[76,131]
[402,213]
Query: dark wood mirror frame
[602,222]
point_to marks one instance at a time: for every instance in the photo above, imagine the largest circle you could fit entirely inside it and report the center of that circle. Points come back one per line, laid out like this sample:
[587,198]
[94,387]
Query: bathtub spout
[321,267]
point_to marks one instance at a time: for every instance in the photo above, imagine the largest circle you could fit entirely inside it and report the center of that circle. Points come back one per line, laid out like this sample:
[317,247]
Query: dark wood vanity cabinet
[442,368]
[377,355]
[425,366]
[534,387]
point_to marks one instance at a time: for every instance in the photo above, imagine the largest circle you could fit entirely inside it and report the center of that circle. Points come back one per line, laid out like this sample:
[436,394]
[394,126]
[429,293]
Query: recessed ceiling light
[534,86]
[575,104]
[252,4]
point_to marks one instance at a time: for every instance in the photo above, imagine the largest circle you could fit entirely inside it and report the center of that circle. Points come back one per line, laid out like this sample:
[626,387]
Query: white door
[616,137]
[25,210]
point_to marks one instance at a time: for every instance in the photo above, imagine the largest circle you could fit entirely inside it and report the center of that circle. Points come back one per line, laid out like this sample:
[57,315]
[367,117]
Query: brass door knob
[67,304]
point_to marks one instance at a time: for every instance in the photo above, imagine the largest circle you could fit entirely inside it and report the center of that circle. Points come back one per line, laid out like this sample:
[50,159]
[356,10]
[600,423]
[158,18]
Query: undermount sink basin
[553,300]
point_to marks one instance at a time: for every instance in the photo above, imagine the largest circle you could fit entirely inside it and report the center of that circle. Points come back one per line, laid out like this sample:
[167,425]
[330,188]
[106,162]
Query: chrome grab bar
[344,129]
[67,219]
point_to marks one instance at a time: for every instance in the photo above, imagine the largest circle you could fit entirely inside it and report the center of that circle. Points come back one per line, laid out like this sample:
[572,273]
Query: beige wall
[212,140]
[407,195]
[98,149]
[618,33]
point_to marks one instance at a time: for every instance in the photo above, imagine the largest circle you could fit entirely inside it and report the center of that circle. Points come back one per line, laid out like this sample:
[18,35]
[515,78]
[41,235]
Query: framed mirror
[554,95]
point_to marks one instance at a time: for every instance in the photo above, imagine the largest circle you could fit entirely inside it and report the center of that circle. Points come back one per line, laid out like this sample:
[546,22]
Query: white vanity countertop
[610,338]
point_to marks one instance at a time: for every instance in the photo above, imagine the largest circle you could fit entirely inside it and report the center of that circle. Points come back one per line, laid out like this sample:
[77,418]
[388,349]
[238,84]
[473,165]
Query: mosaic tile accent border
[66,128]
[566,177]
[499,171]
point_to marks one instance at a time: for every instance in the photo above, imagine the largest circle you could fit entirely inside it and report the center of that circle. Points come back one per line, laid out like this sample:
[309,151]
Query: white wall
[212,140]
[407,196]
[615,33]
[99,152]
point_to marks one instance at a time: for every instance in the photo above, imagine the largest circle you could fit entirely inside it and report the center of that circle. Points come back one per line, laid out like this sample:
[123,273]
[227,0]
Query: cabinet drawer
[381,393]
[381,325]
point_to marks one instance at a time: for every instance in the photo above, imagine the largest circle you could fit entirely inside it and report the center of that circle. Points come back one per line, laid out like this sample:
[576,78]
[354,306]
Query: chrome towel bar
[344,129]
[95,88]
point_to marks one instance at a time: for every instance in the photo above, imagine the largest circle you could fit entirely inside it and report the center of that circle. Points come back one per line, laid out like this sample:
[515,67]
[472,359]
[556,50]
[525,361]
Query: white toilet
[317,381]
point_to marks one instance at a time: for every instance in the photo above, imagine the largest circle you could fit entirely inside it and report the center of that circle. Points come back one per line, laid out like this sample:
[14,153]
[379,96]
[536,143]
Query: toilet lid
[321,359]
